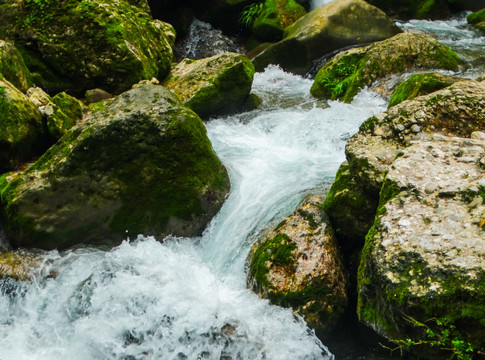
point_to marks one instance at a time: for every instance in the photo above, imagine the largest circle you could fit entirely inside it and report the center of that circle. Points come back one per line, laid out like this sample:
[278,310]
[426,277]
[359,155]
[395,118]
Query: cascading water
[186,298]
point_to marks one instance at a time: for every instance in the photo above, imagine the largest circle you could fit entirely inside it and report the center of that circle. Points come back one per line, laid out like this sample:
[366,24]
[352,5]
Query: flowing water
[186,298]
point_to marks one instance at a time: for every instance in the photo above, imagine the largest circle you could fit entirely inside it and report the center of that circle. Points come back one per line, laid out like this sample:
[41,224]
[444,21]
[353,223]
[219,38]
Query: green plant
[250,13]
[441,334]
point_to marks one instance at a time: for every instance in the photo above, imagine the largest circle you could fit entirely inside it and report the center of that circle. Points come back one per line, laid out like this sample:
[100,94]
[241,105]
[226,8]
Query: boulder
[424,257]
[351,70]
[20,265]
[298,265]
[457,110]
[420,84]
[61,114]
[13,68]
[22,135]
[275,17]
[335,25]
[80,45]
[143,164]
[410,9]
[212,86]
[477,19]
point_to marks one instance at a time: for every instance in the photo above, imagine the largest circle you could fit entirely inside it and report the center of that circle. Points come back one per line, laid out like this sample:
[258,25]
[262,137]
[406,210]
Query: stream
[186,298]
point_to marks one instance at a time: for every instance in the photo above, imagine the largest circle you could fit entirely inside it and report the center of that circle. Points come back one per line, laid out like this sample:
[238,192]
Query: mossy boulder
[423,260]
[80,45]
[477,19]
[143,164]
[352,201]
[349,71]
[330,27]
[212,86]
[298,265]
[22,134]
[420,84]
[13,68]
[62,113]
[275,17]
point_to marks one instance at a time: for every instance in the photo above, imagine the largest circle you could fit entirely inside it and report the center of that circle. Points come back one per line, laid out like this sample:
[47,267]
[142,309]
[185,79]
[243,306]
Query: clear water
[186,298]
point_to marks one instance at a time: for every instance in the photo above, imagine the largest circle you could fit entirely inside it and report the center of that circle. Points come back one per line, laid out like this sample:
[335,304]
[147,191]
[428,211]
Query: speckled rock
[21,130]
[424,257]
[13,68]
[143,164]
[457,110]
[21,265]
[351,70]
[212,86]
[80,45]
[330,27]
[298,265]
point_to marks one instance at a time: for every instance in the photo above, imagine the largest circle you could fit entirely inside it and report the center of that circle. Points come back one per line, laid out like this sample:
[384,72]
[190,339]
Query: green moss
[420,84]
[476,17]
[278,251]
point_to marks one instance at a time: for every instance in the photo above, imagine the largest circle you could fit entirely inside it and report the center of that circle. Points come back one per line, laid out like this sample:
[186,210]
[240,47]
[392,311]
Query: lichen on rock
[297,264]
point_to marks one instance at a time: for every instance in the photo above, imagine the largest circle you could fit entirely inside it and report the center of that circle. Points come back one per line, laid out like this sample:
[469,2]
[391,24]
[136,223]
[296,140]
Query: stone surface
[330,27]
[20,264]
[298,265]
[21,130]
[477,19]
[13,68]
[143,164]
[212,86]
[351,70]
[80,45]
[424,257]
[61,114]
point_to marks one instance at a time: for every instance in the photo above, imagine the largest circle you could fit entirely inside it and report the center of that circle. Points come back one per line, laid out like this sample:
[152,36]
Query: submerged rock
[13,68]
[79,45]
[351,70]
[330,27]
[212,86]
[420,84]
[22,135]
[144,164]
[298,265]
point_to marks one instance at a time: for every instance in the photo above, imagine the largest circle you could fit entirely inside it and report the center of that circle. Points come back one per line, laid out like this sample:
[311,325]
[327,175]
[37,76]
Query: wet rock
[323,30]
[298,265]
[77,46]
[22,134]
[20,265]
[13,68]
[216,85]
[420,84]
[142,165]
[349,71]
[203,41]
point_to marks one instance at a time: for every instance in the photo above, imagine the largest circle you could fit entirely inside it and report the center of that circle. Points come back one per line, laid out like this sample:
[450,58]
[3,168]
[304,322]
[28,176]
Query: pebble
[415,128]
[430,188]
[478,135]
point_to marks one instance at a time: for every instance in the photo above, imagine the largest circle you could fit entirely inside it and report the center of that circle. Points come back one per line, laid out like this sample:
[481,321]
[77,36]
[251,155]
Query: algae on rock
[351,70]
[143,165]
[13,68]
